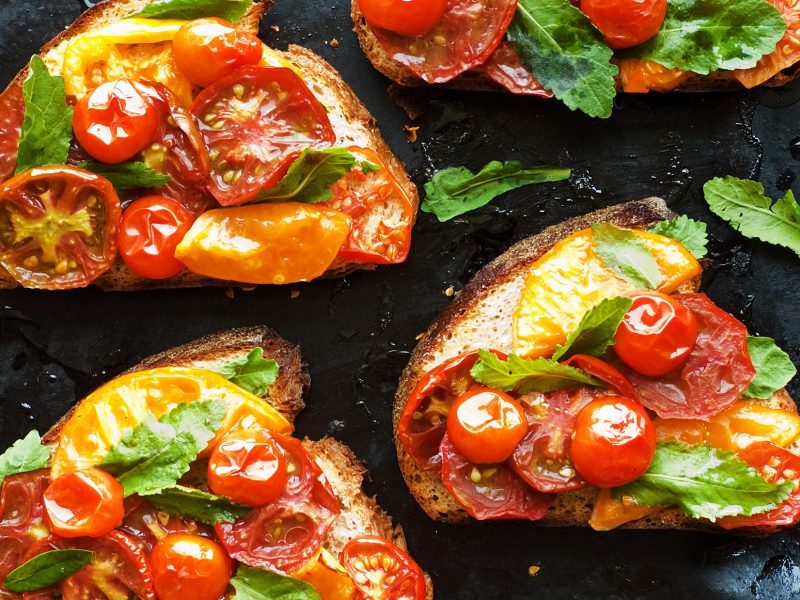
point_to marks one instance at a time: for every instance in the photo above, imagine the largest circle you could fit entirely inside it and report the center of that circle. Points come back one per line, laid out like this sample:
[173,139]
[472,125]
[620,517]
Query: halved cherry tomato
[485,425]
[115,121]
[383,571]
[626,23]
[599,369]
[208,49]
[656,335]
[382,213]
[84,503]
[248,467]
[505,68]
[147,525]
[786,53]
[58,227]
[277,243]
[150,231]
[189,566]
[614,441]
[255,122]
[406,17]
[12,113]
[641,76]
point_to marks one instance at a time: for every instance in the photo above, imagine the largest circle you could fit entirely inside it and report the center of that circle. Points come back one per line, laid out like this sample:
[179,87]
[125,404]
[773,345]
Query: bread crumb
[230,293]
[275,28]
[450,291]
[533,570]
[294,294]
[419,336]
[248,288]
[411,132]
[334,43]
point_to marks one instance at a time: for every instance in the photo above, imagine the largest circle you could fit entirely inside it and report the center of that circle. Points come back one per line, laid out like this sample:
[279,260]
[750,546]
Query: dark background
[356,333]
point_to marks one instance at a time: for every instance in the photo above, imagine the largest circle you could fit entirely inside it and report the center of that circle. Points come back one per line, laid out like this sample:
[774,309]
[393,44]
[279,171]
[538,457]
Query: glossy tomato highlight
[626,23]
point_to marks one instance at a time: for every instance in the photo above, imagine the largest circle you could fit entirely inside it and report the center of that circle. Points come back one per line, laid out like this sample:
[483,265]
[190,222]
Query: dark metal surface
[356,333]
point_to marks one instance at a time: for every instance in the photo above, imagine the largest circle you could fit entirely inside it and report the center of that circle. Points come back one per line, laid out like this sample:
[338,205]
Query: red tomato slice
[382,571]
[716,373]
[12,112]
[603,371]
[490,491]
[505,67]
[465,37]
[255,122]
[786,53]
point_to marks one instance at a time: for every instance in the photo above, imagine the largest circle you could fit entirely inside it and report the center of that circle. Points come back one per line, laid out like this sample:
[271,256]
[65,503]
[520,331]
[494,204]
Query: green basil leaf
[704,482]
[688,232]
[526,375]
[196,504]
[626,255]
[47,125]
[774,368]
[257,584]
[230,10]
[457,190]
[596,331]
[566,53]
[743,204]
[27,454]
[45,569]
[311,176]
[253,372]
[129,175]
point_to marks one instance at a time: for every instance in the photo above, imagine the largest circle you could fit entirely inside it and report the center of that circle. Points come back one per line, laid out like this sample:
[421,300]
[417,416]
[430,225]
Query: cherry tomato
[603,371]
[383,571]
[485,425]
[614,441]
[12,113]
[58,227]
[625,23]
[407,17]
[147,525]
[255,122]
[189,566]
[656,335]
[84,503]
[114,122]
[248,467]
[150,230]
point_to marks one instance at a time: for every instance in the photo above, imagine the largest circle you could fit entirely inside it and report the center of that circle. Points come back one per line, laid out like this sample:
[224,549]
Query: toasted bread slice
[350,119]
[480,317]
[360,514]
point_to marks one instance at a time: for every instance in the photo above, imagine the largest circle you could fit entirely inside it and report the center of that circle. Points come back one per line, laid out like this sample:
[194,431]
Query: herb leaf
[566,54]
[27,454]
[688,232]
[527,375]
[230,10]
[457,190]
[47,126]
[310,177]
[253,372]
[626,255]
[196,504]
[45,569]
[257,584]
[774,368]
[743,204]
[595,333]
[128,175]
[704,482]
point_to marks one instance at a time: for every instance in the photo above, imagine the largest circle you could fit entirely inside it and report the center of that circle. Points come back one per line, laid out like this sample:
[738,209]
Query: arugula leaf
[128,175]
[711,35]
[743,204]
[626,255]
[566,54]
[774,368]
[257,584]
[47,125]
[457,190]
[595,333]
[230,10]
[253,372]
[27,454]
[311,176]
[526,375]
[154,454]
[704,482]
[688,232]
[196,504]
[45,569]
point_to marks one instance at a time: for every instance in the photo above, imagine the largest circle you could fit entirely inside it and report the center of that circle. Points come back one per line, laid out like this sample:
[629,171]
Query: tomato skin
[485,425]
[407,17]
[383,571]
[115,121]
[626,23]
[84,503]
[150,230]
[656,335]
[189,566]
[248,467]
[599,369]
[505,68]
[12,113]
[208,49]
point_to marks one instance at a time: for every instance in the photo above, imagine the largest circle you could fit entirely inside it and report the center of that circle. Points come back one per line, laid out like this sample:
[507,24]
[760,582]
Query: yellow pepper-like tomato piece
[328,577]
[786,53]
[609,513]
[641,76]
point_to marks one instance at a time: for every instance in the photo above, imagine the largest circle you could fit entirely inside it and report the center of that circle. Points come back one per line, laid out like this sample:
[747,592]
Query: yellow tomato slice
[609,513]
[786,53]
[265,243]
[570,279]
[328,577]
[100,420]
[641,76]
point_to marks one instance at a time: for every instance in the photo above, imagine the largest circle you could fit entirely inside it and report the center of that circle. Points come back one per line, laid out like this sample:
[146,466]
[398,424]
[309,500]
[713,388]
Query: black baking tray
[356,333]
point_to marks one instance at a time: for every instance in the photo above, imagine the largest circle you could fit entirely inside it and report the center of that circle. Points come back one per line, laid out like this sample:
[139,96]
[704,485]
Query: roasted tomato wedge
[58,227]
[641,76]
[147,525]
[505,68]
[406,17]
[490,491]
[382,213]
[382,571]
[716,373]
[189,566]
[84,503]
[12,112]
[465,37]
[626,23]
[599,369]
[255,122]
[786,53]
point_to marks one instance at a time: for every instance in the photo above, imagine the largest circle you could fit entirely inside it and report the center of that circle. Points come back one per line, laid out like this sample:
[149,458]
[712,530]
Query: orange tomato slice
[101,419]
[570,279]
[328,577]
[609,513]
[786,53]
[641,76]
[265,243]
